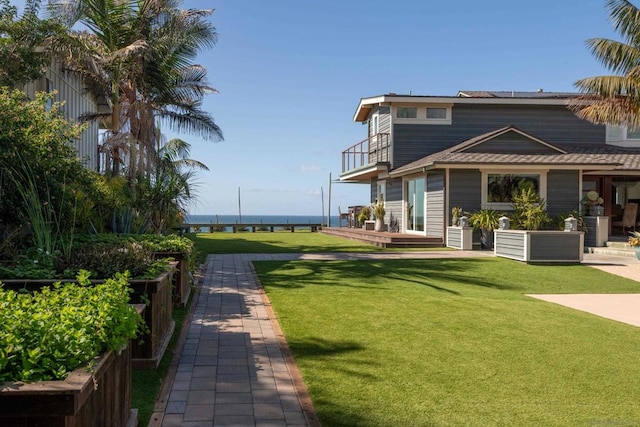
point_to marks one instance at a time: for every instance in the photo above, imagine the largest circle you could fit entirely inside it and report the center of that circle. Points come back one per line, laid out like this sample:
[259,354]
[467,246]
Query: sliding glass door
[414,202]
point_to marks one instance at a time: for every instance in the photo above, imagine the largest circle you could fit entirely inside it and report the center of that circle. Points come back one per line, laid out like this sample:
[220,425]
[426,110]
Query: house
[77,102]
[424,155]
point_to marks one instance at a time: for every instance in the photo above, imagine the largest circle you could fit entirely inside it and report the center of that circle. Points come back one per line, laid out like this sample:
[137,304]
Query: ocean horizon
[259,219]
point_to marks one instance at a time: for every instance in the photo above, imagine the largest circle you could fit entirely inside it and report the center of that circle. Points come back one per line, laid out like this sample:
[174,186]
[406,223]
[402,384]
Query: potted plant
[365,214]
[485,220]
[592,203]
[66,357]
[378,213]
[634,242]
[455,215]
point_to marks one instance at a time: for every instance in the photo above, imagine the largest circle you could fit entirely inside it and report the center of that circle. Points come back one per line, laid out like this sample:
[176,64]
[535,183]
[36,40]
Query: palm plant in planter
[378,213]
[529,210]
[365,214]
[484,220]
[531,240]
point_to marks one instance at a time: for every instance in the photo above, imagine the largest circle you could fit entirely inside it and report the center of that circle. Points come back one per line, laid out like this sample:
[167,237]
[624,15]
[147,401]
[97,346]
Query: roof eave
[364,173]
[366,104]
[512,165]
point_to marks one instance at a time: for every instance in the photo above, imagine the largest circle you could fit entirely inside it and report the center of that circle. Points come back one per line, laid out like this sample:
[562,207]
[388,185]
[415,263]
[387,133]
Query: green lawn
[280,242]
[276,242]
[146,383]
[453,342]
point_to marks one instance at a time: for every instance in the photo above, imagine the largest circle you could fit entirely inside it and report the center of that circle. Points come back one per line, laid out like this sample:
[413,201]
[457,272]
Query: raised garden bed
[181,282]
[155,294]
[97,397]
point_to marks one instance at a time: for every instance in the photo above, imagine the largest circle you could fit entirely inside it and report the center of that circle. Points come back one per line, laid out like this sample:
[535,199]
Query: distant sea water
[259,219]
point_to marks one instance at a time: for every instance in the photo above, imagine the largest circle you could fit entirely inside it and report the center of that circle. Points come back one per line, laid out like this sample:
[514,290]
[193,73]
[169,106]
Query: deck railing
[370,151]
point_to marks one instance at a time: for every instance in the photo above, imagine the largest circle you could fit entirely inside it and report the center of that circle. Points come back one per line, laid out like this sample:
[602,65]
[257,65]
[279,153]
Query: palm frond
[618,57]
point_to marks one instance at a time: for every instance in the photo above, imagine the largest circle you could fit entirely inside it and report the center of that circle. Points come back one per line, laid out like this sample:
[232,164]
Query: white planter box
[544,246]
[460,238]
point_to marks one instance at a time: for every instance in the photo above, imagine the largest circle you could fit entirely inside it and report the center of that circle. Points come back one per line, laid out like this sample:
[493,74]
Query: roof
[602,157]
[539,94]
[464,97]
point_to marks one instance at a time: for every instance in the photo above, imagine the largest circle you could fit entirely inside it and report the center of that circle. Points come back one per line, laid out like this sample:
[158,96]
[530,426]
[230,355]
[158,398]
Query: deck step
[385,239]
[614,248]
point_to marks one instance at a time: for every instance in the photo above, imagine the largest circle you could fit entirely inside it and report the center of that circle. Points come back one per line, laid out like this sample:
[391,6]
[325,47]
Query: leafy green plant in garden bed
[45,335]
[102,259]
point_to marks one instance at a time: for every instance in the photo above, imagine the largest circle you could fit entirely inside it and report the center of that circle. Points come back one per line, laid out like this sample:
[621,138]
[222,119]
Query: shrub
[45,335]
[105,259]
[529,210]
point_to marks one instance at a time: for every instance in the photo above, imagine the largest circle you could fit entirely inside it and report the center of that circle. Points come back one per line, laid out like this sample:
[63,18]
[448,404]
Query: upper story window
[623,136]
[374,125]
[427,114]
[436,113]
[407,112]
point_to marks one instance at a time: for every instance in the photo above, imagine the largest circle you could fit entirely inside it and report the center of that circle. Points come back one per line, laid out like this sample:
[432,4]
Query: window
[623,136]
[407,112]
[499,186]
[414,197]
[431,114]
[633,133]
[374,125]
[436,113]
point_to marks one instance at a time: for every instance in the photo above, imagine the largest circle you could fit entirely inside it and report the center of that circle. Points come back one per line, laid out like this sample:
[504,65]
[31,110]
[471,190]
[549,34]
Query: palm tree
[166,194]
[137,56]
[614,99]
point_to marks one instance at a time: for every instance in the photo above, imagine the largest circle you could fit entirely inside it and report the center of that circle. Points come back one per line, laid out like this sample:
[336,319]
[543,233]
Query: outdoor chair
[628,221]
[342,216]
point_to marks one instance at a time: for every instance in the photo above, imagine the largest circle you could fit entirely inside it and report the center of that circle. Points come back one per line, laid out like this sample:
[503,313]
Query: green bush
[45,335]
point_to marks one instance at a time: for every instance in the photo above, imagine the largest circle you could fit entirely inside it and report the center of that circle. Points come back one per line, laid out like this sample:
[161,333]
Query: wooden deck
[385,239]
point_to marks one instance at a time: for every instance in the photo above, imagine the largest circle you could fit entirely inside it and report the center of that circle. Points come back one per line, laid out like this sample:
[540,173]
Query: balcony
[364,160]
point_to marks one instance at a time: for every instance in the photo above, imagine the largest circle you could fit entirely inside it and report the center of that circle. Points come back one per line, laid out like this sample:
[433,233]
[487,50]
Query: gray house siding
[435,204]
[554,124]
[70,89]
[551,250]
[373,190]
[514,143]
[465,189]
[563,192]
[393,203]
[384,121]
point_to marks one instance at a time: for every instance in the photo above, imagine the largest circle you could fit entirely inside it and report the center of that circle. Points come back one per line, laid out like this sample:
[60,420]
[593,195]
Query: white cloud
[310,168]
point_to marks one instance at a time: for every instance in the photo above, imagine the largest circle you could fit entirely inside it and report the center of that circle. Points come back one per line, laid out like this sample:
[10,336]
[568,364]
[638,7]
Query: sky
[290,74]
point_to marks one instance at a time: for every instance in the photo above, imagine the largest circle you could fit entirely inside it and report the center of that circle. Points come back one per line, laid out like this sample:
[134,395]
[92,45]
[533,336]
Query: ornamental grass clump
[47,334]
